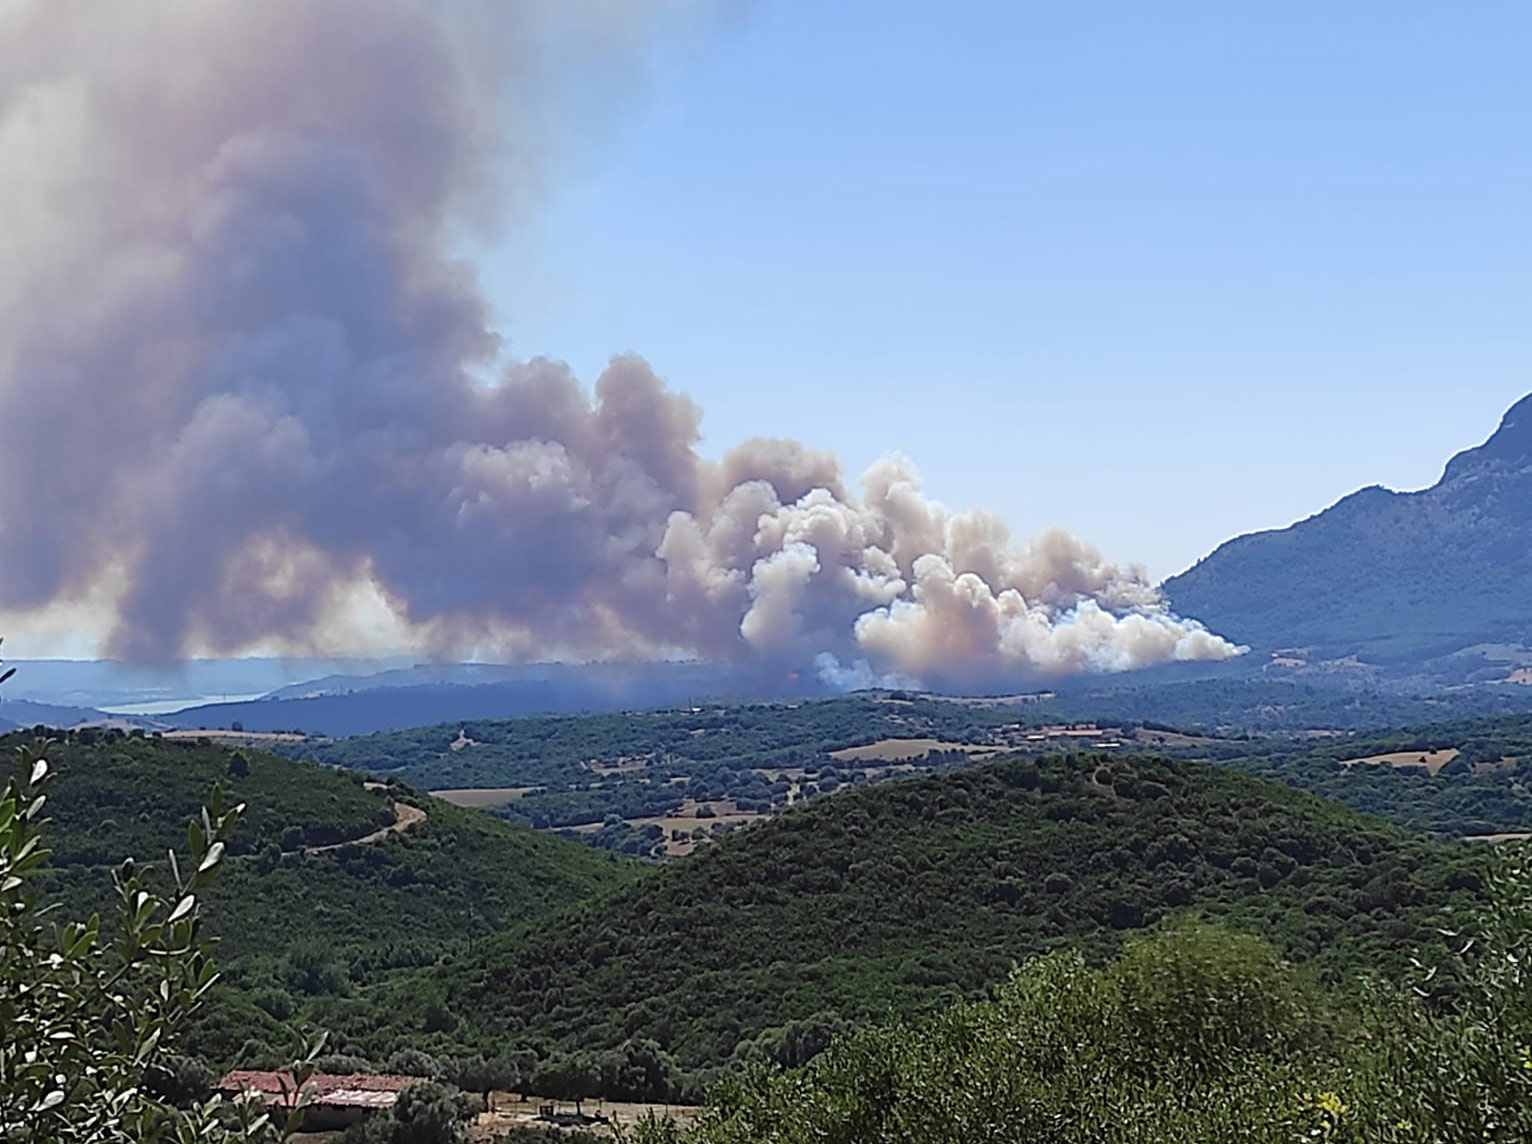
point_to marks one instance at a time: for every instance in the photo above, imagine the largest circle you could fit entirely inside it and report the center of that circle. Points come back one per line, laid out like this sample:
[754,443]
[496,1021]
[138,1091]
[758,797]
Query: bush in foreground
[88,1014]
[1193,1036]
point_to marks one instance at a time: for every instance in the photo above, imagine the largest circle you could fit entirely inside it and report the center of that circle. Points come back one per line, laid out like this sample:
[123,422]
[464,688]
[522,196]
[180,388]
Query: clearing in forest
[625,765]
[892,750]
[686,818]
[482,798]
[1432,761]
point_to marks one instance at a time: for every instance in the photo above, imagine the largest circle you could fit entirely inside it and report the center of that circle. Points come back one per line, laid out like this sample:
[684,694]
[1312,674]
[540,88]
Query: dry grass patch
[481,798]
[1432,761]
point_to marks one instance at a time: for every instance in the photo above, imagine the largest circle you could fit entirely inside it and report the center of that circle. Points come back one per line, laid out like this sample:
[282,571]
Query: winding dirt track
[405,816]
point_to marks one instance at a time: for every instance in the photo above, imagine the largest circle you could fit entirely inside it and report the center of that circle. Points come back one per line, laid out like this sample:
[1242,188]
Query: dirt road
[405,816]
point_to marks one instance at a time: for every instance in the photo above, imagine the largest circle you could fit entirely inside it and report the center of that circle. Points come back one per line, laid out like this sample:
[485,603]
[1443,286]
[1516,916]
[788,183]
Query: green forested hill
[116,795]
[895,897]
[465,934]
[552,750]
[301,932]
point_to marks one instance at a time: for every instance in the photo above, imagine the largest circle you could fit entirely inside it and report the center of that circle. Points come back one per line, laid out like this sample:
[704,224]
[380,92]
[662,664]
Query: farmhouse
[329,1101]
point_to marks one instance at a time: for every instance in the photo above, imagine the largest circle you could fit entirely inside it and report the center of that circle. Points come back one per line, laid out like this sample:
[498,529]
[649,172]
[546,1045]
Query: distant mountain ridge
[420,696]
[22,713]
[1390,575]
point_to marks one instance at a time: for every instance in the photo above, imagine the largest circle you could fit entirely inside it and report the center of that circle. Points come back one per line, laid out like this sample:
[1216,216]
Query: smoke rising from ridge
[239,363]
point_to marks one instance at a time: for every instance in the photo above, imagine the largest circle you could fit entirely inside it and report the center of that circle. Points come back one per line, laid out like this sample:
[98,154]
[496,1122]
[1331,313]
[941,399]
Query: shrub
[88,1022]
[414,1062]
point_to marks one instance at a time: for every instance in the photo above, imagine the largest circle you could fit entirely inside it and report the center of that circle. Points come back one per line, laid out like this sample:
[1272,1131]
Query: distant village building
[330,1102]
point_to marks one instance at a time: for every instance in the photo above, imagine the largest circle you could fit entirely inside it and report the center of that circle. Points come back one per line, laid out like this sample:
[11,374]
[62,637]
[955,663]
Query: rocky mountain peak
[1509,447]
[1400,577]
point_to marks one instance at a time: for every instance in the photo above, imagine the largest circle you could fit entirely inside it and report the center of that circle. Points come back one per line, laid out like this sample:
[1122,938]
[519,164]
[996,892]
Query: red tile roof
[354,1090]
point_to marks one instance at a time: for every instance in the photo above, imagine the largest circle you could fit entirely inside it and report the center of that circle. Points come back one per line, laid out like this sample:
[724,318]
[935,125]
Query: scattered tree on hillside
[476,1074]
[572,1076]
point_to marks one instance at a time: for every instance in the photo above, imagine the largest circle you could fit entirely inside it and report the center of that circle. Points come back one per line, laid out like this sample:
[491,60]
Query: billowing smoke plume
[242,379]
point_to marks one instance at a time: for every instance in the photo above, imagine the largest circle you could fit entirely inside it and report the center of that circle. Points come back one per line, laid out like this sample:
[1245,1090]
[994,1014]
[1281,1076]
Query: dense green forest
[1191,1036]
[300,932]
[462,937]
[117,794]
[1152,1015]
[906,895]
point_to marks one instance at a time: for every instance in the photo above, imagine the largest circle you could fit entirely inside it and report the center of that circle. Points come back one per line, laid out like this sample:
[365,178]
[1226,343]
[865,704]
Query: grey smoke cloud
[240,379]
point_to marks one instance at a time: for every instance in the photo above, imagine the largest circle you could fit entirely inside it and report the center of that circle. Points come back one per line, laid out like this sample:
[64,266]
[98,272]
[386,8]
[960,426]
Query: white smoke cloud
[891,588]
[239,380]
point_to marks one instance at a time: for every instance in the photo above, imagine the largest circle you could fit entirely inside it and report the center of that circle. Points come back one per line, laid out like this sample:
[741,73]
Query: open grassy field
[482,798]
[1432,761]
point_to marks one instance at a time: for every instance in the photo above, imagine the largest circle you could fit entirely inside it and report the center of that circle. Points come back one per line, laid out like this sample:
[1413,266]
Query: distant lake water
[168,706]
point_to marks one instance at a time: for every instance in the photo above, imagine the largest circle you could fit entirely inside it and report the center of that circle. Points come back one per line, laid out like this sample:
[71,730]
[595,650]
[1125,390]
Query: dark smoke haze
[241,395]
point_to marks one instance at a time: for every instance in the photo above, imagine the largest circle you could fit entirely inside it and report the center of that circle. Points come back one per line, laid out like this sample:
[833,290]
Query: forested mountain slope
[1389,574]
[317,898]
[894,897]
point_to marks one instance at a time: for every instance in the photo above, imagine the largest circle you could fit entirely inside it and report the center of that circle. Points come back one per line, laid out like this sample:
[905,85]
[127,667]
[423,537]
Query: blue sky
[1160,274]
